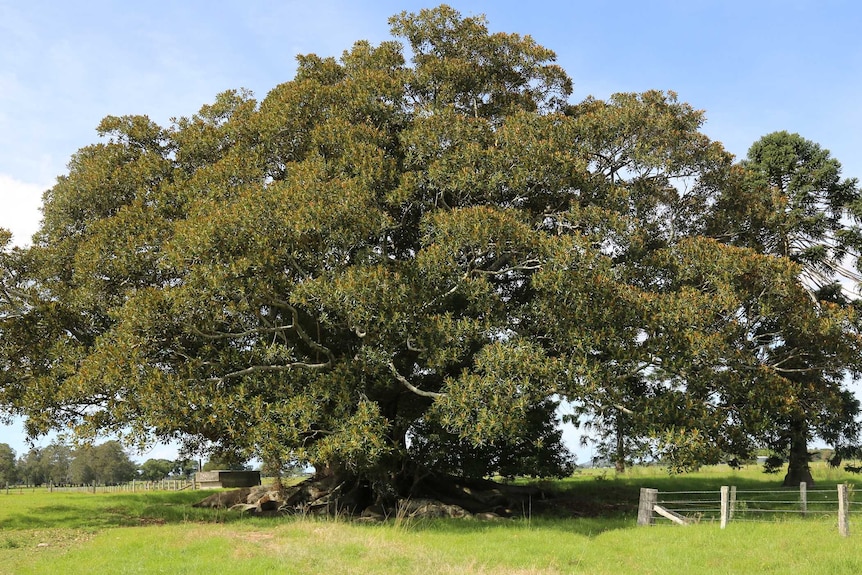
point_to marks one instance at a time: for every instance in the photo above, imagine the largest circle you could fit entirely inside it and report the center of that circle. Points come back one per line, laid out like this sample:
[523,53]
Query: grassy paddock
[158,532]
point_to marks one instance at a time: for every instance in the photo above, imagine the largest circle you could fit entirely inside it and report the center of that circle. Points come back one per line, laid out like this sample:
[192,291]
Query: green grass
[40,509]
[160,533]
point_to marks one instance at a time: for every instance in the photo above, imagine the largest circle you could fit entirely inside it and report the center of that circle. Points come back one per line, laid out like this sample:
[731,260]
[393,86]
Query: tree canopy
[156,469]
[106,463]
[387,266]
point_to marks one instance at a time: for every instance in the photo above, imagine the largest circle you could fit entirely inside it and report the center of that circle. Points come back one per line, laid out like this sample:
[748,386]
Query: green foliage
[435,250]
[788,200]
[184,468]
[30,468]
[106,464]
[60,464]
[224,460]
[302,277]
[8,468]
[534,449]
[56,460]
[156,469]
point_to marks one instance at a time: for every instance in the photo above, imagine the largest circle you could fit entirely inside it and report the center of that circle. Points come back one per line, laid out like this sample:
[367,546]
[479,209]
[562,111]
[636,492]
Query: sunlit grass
[161,533]
[307,547]
[40,509]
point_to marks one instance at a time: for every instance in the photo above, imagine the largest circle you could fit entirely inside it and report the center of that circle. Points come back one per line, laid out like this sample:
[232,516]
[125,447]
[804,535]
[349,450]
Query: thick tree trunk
[798,469]
[334,490]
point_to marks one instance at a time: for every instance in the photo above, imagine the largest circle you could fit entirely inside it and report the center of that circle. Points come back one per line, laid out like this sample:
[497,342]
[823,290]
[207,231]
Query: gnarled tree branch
[410,386]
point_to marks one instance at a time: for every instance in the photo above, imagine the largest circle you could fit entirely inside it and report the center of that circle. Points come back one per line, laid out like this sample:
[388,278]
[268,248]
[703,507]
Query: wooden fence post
[732,502]
[843,511]
[803,497]
[725,505]
[648,499]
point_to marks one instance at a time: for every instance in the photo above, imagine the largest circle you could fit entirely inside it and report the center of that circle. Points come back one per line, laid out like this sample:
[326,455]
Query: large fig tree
[336,275]
[394,271]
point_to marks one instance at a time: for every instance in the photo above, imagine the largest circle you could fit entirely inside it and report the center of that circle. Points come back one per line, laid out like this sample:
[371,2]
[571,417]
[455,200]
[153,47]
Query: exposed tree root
[425,495]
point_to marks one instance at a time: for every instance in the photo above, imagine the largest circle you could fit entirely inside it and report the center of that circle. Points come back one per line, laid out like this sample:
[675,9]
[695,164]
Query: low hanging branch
[411,387]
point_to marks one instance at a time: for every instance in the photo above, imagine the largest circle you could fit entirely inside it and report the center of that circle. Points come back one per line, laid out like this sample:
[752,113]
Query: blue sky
[755,66]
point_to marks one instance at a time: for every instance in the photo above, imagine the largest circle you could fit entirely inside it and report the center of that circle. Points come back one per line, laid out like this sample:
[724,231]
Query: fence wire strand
[816,503]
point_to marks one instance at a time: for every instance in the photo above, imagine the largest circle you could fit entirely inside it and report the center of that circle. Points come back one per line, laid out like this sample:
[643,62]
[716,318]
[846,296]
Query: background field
[159,532]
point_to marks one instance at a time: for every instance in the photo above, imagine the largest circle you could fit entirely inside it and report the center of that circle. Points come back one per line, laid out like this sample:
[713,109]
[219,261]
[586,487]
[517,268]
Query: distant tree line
[105,464]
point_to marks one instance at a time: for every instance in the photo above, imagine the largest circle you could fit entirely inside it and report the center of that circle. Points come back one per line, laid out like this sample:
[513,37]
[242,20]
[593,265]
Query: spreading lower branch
[272,368]
[411,387]
[316,346]
[217,335]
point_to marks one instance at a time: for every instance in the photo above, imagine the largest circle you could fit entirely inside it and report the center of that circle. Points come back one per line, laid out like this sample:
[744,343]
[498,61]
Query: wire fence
[130,487]
[736,505]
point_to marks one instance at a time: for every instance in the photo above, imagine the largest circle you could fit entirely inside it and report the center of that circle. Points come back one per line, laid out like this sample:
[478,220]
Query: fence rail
[130,487]
[730,504]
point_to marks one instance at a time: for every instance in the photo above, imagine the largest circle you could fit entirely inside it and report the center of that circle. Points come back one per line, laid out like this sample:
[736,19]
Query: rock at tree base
[429,509]
[251,499]
[225,499]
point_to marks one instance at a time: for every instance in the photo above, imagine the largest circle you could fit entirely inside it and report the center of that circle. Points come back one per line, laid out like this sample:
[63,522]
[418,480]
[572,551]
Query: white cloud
[19,208]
